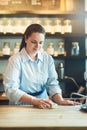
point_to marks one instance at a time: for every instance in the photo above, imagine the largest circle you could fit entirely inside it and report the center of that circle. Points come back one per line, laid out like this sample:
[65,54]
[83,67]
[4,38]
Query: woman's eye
[34,42]
[41,43]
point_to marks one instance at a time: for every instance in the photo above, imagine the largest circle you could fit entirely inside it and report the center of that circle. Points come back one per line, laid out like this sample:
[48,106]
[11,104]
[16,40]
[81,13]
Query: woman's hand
[57,98]
[42,103]
[69,102]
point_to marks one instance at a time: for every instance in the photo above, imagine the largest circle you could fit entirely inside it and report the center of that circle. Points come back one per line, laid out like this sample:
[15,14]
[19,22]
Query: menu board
[40,6]
[29,6]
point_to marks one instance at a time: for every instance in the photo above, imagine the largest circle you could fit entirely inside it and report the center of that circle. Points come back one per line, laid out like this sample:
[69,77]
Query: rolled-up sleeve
[11,80]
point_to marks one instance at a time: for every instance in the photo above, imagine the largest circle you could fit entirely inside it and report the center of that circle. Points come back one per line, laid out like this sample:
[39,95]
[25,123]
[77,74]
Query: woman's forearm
[27,98]
[57,98]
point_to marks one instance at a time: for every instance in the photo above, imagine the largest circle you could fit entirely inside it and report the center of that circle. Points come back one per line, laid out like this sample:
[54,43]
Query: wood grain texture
[58,118]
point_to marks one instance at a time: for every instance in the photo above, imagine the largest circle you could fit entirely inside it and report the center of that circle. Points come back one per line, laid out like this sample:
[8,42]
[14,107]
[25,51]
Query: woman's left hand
[69,102]
[57,98]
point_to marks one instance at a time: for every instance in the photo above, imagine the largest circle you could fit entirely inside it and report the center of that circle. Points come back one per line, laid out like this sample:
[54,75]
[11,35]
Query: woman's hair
[28,32]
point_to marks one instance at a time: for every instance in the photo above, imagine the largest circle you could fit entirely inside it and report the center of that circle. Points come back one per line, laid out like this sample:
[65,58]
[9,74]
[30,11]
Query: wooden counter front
[30,118]
[3,96]
[3,99]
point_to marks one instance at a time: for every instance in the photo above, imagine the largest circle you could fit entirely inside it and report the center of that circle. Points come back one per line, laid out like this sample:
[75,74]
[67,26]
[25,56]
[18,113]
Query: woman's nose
[37,45]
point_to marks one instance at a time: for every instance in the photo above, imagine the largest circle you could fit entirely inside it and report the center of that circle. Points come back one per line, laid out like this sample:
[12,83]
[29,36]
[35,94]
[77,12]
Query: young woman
[30,77]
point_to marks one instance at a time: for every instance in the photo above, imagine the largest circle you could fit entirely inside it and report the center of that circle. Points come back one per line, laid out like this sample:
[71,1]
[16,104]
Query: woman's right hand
[42,103]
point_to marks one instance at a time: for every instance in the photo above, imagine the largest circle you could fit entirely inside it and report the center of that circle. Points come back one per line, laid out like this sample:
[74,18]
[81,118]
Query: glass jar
[17,47]
[9,27]
[75,50]
[1,26]
[50,49]
[61,49]
[58,26]
[47,25]
[67,26]
[6,48]
[18,26]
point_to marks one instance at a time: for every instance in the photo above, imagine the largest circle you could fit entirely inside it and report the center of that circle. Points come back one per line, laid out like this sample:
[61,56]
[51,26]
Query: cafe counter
[31,118]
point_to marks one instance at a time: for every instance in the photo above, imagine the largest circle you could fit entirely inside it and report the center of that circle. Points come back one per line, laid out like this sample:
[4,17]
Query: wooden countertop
[58,118]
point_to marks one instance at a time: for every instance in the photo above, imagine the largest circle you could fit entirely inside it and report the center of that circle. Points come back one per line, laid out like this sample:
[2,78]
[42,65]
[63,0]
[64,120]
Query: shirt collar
[26,57]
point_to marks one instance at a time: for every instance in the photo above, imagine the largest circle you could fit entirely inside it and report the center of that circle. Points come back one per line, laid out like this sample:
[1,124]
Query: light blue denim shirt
[23,75]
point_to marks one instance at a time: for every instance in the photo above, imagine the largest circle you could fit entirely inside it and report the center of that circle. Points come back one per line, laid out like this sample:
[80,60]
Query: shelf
[74,14]
[70,57]
[48,35]
[5,57]
[42,7]
[11,34]
[65,35]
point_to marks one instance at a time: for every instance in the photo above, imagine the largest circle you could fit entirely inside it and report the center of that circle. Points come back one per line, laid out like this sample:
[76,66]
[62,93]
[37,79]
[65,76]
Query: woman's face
[34,42]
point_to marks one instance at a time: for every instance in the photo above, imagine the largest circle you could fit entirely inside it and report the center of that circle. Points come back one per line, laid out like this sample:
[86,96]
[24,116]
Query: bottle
[47,25]
[6,49]
[1,26]
[50,49]
[60,70]
[61,49]
[17,47]
[75,48]
[58,26]
[8,27]
[18,26]
[67,26]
